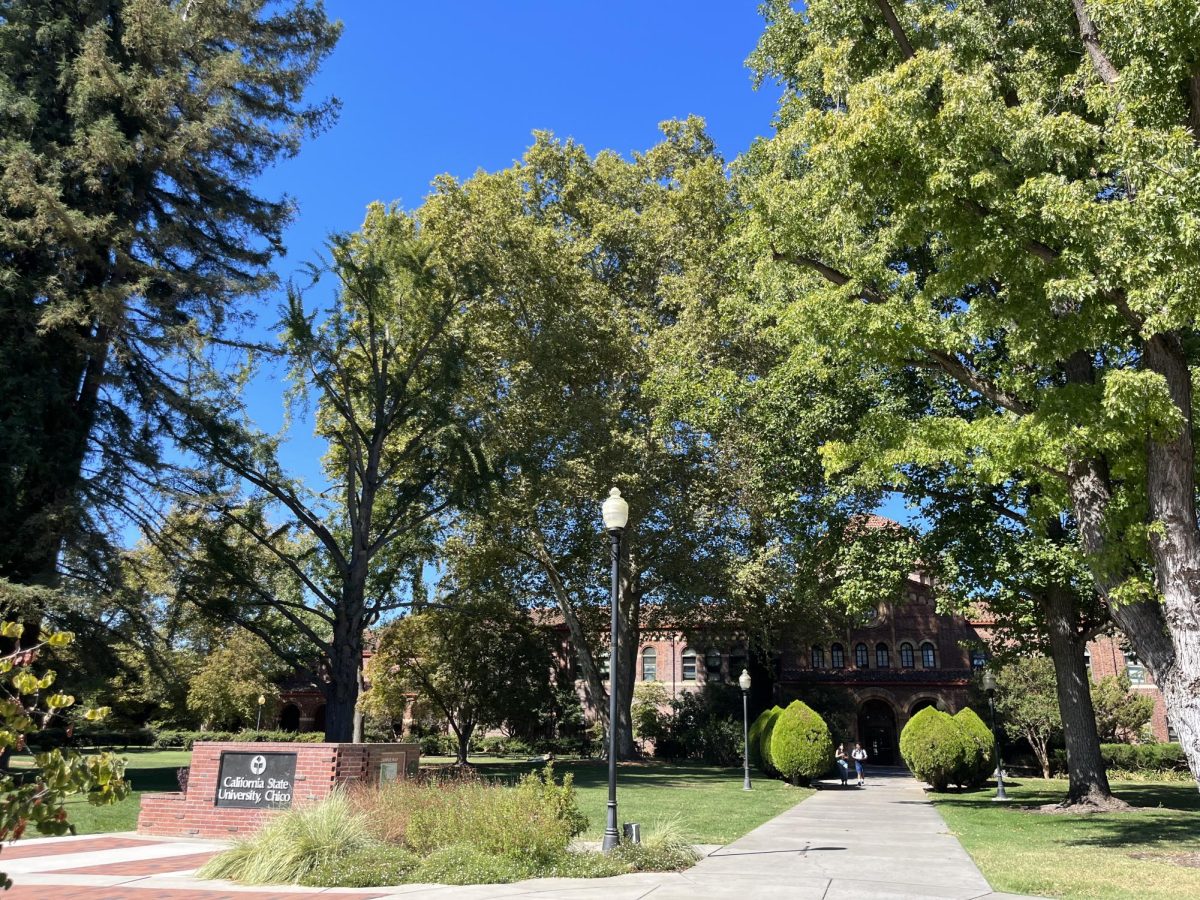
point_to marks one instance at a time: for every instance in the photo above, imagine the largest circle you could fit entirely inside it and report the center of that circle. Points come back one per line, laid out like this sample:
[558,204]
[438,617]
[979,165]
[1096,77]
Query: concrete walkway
[884,840]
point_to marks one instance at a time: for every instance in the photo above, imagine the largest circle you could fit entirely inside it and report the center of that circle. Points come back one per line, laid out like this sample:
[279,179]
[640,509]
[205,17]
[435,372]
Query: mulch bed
[1190,860]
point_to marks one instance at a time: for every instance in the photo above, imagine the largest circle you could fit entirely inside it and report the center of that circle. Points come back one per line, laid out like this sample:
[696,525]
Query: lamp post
[262,701]
[989,686]
[744,684]
[615,512]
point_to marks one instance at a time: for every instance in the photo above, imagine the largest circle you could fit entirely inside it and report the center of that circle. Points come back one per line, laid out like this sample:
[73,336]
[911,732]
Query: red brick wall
[1107,657]
[319,769]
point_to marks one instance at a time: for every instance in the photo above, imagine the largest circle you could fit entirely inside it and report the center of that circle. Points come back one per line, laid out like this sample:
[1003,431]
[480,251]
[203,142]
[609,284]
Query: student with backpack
[860,756]
[842,763]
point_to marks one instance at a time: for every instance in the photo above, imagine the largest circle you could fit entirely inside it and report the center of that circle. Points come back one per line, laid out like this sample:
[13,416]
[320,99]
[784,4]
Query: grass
[147,771]
[1055,855]
[706,803]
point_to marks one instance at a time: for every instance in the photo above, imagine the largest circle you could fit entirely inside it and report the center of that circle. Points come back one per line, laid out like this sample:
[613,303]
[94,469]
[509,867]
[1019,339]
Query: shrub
[933,747]
[374,865]
[169,740]
[764,739]
[755,737]
[531,823]
[979,759]
[468,864]
[801,746]
[294,844]
[704,725]
[1144,758]
[665,850]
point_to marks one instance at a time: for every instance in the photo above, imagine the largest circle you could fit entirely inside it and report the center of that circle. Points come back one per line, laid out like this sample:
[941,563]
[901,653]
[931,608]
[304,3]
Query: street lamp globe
[615,511]
[262,699]
[989,683]
[744,680]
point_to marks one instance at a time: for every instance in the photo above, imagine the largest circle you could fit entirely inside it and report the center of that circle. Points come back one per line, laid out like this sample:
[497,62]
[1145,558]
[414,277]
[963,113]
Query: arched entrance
[289,718]
[918,705]
[877,732]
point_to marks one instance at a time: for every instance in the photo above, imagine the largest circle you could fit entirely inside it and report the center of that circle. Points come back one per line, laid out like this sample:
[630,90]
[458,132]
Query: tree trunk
[345,668]
[464,744]
[629,653]
[1087,778]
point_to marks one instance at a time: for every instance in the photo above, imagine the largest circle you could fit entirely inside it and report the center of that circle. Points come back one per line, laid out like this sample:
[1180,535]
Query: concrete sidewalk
[884,840]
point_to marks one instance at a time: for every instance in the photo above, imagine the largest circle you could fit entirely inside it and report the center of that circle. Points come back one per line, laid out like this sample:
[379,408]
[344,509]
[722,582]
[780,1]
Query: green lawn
[1027,852]
[708,802]
[147,770]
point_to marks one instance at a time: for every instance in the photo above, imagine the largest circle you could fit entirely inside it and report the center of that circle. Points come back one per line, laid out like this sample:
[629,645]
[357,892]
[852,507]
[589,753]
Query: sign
[256,780]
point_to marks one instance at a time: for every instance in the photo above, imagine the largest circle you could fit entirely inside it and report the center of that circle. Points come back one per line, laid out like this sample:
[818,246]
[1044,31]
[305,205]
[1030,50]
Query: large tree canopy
[1000,197]
[131,132]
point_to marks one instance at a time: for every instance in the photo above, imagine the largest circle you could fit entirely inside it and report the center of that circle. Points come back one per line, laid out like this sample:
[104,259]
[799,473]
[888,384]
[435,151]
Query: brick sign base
[319,769]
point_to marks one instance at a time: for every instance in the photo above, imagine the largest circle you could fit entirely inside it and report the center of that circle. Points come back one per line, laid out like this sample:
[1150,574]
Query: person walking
[843,763]
[860,756]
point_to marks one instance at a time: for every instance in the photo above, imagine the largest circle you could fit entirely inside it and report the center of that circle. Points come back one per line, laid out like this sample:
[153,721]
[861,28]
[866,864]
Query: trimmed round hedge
[769,718]
[801,746]
[754,737]
[934,748]
[978,745]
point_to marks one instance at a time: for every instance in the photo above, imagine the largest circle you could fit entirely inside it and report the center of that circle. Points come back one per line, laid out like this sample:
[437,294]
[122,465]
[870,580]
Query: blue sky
[429,88]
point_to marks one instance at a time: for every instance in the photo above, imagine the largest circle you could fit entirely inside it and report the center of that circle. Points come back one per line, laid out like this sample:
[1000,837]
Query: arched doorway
[319,718]
[877,732]
[289,718]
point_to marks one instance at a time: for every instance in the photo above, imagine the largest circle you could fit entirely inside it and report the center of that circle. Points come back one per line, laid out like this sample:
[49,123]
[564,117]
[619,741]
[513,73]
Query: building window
[907,659]
[603,662]
[649,664]
[1137,672]
[689,665]
[837,656]
[928,656]
[737,662]
[1087,661]
[712,662]
[818,657]
[882,657]
[978,659]
[860,656]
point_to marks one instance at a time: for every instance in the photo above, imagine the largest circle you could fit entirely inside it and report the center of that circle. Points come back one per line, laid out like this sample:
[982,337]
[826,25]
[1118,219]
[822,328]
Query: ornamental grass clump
[934,748]
[801,746]
[294,844]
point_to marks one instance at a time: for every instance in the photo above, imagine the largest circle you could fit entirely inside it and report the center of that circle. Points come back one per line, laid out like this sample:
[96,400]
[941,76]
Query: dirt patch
[1111,805]
[1188,860]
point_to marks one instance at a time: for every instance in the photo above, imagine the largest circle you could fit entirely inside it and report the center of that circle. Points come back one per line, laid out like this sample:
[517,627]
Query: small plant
[801,746]
[664,850]
[467,864]
[373,865]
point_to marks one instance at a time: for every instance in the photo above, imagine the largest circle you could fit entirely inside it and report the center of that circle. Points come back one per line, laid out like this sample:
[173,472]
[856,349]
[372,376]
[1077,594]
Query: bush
[665,850]
[801,746]
[934,747]
[755,738]
[468,864]
[294,844]
[764,739]
[438,745]
[704,725]
[169,740]
[979,759]
[1144,758]
[374,865]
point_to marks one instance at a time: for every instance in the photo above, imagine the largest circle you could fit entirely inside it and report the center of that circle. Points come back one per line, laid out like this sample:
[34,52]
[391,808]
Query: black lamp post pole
[1000,795]
[611,837]
[745,740]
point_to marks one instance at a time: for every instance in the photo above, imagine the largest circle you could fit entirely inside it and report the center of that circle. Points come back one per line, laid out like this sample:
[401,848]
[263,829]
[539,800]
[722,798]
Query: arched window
[906,656]
[928,655]
[602,663]
[649,664]
[860,655]
[689,664]
[1133,666]
[837,656]
[882,657]
[1087,661]
[712,661]
[978,658]
[818,657]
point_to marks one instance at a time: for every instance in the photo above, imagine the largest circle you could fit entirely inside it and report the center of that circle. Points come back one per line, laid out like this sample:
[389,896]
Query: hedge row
[50,738]
[1136,757]
[792,743]
[166,740]
[944,749]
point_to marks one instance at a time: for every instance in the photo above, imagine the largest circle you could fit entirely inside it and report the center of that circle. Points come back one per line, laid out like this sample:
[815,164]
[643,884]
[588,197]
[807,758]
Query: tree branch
[897,29]
[1090,36]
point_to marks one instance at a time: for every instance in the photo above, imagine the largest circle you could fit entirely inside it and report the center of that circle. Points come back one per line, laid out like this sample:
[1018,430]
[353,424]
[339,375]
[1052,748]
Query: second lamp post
[616,514]
[744,684]
[989,687]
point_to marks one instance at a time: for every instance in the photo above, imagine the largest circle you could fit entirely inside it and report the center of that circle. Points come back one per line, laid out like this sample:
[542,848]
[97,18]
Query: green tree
[1029,249]
[1121,712]
[478,662]
[385,363]
[224,692]
[1027,704]
[131,133]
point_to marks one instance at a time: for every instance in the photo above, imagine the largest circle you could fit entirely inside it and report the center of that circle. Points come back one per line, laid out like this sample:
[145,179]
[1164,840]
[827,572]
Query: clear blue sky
[432,88]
